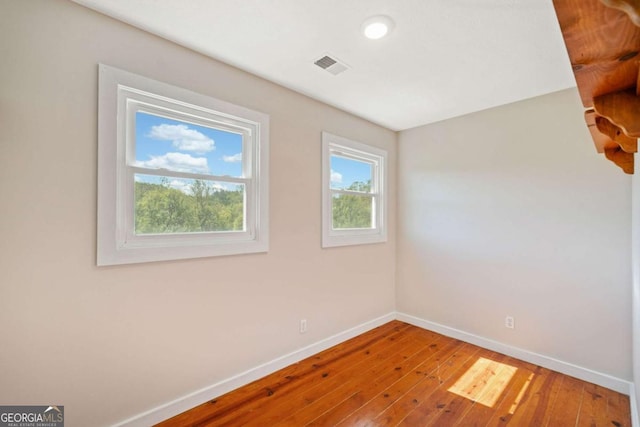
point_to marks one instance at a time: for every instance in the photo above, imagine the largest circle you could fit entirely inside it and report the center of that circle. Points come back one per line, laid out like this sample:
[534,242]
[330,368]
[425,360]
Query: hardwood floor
[401,375]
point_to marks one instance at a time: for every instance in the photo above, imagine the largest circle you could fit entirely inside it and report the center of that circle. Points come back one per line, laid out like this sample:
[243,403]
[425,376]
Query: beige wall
[110,343]
[510,211]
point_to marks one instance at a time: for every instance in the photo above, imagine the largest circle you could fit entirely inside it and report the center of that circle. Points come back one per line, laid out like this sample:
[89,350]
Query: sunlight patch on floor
[484,382]
[512,410]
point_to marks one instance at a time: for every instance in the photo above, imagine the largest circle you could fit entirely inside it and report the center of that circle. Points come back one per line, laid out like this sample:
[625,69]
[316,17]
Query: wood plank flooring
[402,375]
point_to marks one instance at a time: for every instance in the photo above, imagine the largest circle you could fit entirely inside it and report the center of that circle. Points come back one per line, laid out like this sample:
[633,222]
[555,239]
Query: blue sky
[186,147]
[163,143]
[345,172]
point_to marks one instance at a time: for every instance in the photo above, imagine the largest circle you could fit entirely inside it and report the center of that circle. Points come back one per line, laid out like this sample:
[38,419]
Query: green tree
[162,209]
[201,193]
[354,210]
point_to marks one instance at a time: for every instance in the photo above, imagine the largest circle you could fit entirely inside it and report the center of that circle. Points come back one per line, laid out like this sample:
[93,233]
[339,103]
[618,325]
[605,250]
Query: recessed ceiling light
[377,27]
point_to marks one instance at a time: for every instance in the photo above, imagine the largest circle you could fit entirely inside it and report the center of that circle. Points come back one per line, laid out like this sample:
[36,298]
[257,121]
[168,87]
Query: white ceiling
[445,58]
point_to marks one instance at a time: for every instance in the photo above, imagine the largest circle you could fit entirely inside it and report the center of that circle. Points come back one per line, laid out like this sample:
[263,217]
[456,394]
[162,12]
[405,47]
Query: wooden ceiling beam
[630,7]
[621,158]
[622,109]
[600,140]
[603,41]
[605,127]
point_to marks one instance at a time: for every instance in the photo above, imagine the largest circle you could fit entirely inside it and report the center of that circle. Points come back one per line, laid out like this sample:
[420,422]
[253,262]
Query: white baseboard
[196,398]
[579,372]
[635,419]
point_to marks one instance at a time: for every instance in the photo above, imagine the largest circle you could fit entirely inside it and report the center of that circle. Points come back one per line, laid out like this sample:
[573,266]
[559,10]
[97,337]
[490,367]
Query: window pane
[163,143]
[352,211]
[350,174]
[176,205]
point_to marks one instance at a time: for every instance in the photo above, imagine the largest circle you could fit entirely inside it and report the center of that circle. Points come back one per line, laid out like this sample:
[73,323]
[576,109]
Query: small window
[180,175]
[354,192]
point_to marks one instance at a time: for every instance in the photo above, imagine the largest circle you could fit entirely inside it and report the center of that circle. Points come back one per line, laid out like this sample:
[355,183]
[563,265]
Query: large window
[353,193]
[180,175]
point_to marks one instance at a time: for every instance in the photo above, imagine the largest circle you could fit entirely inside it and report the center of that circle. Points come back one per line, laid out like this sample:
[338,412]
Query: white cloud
[178,162]
[219,187]
[183,138]
[185,186]
[336,177]
[181,185]
[233,159]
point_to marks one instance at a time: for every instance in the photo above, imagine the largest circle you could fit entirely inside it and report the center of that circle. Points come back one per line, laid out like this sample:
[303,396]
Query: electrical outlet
[303,326]
[509,322]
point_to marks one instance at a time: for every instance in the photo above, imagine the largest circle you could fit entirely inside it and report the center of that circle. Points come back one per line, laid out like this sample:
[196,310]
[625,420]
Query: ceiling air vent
[331,64]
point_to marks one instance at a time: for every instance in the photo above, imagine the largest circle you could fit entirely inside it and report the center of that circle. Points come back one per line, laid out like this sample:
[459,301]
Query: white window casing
[121,96]
[334,146]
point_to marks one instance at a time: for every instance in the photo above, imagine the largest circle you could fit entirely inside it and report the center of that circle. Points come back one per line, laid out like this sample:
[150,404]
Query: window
[353,192]
[180,175]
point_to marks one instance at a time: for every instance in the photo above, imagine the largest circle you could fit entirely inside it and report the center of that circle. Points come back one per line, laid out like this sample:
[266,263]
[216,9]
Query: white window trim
[121,94]
[349,148]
